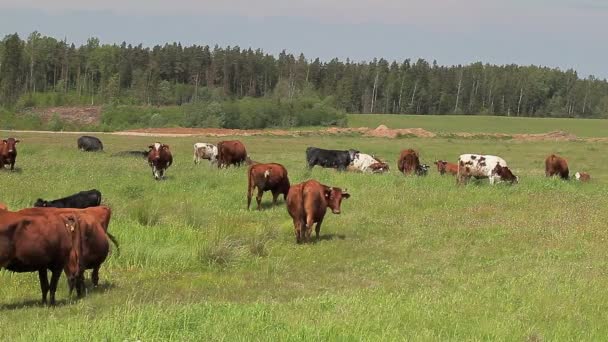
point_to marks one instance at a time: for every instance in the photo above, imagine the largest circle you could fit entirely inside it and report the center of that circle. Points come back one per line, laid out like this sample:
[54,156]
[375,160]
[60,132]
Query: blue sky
[556,33]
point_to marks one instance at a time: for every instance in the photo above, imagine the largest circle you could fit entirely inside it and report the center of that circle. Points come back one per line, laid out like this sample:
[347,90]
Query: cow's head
[505,174]
[156,149]
[582,176]
[352,154]
[334,198]
[10,144]
[41,203]
[379,167]
[441,165]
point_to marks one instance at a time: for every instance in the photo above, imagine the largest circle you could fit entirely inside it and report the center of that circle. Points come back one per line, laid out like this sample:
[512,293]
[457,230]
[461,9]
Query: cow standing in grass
[409,162]
[231,152]
[8,152]
[267,177]
[205,151]
[556,166]
[307,203]
[159,158]
[484,166]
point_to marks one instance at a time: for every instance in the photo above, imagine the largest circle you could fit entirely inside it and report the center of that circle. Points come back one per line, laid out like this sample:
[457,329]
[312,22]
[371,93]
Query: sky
[555,33]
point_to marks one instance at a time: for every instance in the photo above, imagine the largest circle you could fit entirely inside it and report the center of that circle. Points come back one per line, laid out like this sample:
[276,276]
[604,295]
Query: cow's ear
[151,146]
[345,193]
[4,141]
[166,147]
[16,141]
[328,192]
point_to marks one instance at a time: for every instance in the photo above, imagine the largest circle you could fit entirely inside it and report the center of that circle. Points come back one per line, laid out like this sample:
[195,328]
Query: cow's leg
[95,276]
[309,222]
[13,165]
[258,198]
[249,194]
[297,228]
[275,197]
[318,228]
[492,180]
[44,284]
[55,274]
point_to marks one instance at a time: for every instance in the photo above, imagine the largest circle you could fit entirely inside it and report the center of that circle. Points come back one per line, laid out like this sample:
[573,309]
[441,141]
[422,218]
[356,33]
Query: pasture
[413,258]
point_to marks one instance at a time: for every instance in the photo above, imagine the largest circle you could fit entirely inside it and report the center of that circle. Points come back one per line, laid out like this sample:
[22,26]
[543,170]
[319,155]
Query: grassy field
[409,258]
[482,124]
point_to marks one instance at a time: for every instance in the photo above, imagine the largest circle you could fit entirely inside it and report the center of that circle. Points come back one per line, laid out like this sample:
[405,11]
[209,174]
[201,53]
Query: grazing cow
[37,243]
[205,151]
[93,224]
[8,152]
[88,143]
[556,165]
[408,162]
[307,203]
[582,176]
[483,166]
[230,152]
[267,177]
[159,158]
[330,158]
[444,167]
[83,199]
[140,154]
[366,163]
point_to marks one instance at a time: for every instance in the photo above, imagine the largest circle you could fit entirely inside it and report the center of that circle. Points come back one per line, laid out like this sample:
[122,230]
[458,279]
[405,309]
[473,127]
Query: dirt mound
[384,132]
[77,115]
[555,135]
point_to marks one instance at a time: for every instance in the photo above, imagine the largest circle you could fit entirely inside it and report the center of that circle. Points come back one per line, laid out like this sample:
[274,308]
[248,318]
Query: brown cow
[582,176]
[555,165]
[231,152]
[505,174]
[93,224]
[267,177]
[37,243]
[8,152]
[307,203]
[444,167]
[159,158]
[408,161]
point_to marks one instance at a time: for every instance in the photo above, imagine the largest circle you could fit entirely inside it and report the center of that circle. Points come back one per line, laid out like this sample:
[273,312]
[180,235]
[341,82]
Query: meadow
[409,258]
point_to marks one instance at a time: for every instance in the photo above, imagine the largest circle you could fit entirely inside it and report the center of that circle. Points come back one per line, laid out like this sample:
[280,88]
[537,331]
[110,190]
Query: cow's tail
[115,242]
[249,185]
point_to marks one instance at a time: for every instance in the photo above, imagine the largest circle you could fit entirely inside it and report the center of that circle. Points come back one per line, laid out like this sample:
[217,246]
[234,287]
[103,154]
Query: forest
[44,71]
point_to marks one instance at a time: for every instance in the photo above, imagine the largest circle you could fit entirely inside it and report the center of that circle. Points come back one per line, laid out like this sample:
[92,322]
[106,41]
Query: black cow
[139,154]
[329,158]
[81,200]
[88,143]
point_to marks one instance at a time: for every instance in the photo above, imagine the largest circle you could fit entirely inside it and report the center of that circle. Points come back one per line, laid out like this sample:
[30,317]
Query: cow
[444,167]
[205,151]
[83,199]
[93,224]
[230,152]
[556,165]
[139,154]
[89,143]
[267,177]
[366,163]
[422,170]
[409,162]
[483,166]
[159,158]
[307,203]
[582,176]
[330,158]
[8,152]
[37,243]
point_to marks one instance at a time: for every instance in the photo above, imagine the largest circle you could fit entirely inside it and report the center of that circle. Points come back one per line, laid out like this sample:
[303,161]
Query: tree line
[42,70]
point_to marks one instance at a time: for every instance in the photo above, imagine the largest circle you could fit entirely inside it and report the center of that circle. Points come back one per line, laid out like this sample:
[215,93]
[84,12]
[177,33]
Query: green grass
[482,124]
[409,258]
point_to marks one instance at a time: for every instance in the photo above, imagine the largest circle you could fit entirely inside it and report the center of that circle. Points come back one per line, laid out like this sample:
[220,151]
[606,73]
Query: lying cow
[582,176]
[231,152]
[205,151]
[88,143]
[83,199]
[159,158]
[8,152]
[555,165]
[93,224]
[444,167]
[267,177]
[329,158]
[307,203]
[138,154]
[37,243]
[484,166]
[366,163]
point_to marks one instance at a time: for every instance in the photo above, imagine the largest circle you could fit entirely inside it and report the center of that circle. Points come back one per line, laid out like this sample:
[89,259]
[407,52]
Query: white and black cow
[205,151]
[365,163]
[484,166]
[329,158]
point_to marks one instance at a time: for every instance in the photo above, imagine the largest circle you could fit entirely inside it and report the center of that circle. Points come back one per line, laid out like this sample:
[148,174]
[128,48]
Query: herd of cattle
[71,234]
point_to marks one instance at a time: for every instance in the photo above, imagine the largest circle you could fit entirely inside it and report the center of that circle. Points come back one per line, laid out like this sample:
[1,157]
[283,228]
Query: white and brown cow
[159,158]
[484,166]
[205,151]
[366,163]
